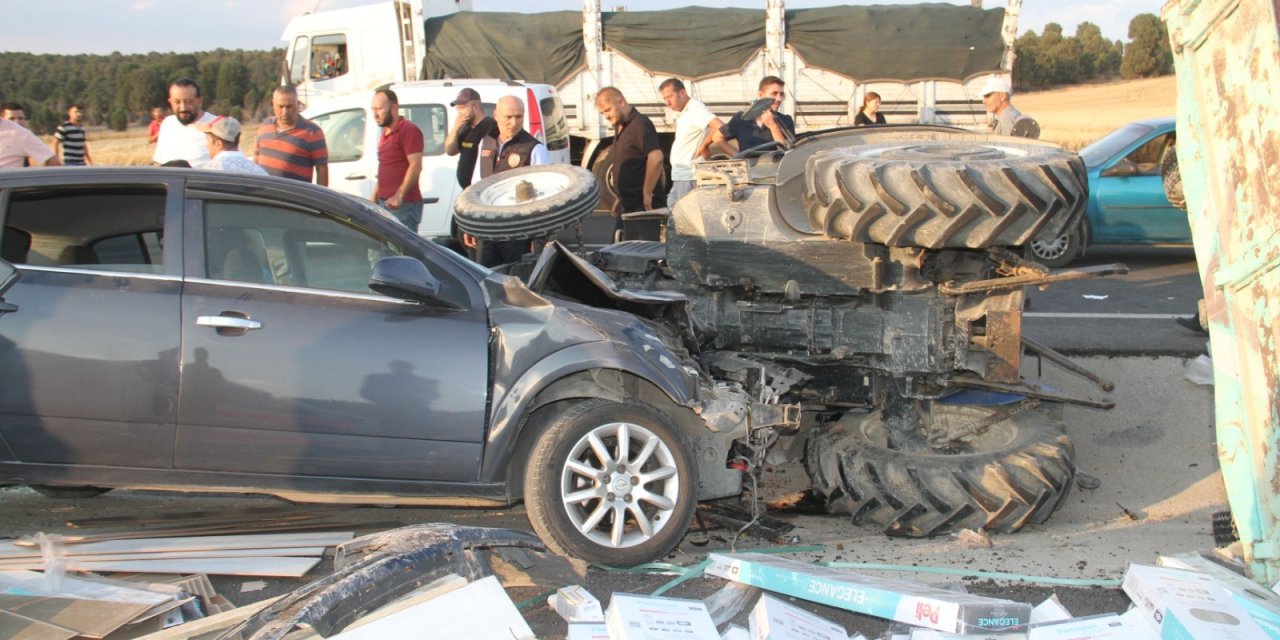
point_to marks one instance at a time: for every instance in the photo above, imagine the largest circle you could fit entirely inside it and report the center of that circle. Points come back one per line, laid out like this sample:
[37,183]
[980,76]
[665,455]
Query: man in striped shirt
[289,145]
[69,139]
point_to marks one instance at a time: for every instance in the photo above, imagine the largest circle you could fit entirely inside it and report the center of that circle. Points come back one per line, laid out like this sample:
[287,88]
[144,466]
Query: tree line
[1054,59]
[118,89]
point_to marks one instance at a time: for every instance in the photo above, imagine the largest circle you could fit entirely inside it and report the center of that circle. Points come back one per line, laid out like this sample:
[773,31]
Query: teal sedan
[1127,203]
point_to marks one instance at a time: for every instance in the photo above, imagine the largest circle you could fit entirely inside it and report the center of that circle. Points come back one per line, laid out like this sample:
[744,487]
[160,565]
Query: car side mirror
[1124,169]
[9,274]
[406,278]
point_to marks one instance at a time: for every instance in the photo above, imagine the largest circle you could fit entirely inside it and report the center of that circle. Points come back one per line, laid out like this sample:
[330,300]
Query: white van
[352,137]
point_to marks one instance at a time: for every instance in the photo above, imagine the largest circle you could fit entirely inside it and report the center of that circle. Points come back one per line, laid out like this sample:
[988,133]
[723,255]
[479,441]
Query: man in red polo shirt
[399,161]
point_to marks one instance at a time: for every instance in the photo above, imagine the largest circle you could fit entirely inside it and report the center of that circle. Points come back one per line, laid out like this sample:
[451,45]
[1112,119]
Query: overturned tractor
[865,290]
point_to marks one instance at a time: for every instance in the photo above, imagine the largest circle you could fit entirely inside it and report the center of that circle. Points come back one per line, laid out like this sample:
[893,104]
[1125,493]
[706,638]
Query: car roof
[1159,122]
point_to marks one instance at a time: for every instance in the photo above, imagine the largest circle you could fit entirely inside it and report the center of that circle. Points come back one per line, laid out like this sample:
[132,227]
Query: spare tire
[960,191]
[1016,471]
[561,195]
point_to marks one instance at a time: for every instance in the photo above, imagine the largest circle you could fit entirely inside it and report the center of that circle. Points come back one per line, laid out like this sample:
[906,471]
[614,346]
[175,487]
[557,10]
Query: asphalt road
[1129,314]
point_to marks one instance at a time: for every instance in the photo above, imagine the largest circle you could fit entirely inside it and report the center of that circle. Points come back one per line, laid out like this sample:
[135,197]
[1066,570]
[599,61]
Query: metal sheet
[1227,59]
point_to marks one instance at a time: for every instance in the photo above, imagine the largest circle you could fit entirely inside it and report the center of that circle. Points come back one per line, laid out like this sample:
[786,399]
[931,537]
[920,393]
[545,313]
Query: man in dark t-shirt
[771,125]
[637,154]
[470,127]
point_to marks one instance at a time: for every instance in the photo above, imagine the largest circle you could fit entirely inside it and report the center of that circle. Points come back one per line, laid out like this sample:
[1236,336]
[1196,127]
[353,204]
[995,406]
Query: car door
[1132,207]
[293,367]
[353,152]
[89,367]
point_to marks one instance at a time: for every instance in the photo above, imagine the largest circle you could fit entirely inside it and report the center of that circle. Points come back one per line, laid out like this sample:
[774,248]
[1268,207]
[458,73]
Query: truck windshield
[328,56]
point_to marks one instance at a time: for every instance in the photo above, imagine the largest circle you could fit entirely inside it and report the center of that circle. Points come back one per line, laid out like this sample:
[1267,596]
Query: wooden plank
[231,529]
[191,543]
[37,564]
[213,623]
[28,583]
[16,627]
[89,618]
[257,567]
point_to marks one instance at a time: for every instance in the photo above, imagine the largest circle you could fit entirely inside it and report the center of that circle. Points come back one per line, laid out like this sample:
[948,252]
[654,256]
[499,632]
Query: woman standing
[870,112]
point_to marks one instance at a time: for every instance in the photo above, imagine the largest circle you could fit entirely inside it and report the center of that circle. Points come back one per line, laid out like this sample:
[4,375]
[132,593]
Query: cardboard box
[905,601]
[773,619]
[1262,604]
[633,617]
[1184,605]
[575,604]
[1103,627]
[587,631]
[734,632]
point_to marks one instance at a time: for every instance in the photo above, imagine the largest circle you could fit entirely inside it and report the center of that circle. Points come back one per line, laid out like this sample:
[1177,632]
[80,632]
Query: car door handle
[228,322]
[355,176]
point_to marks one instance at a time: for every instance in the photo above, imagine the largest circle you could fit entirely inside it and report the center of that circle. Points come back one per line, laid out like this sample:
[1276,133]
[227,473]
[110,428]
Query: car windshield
[1113,143]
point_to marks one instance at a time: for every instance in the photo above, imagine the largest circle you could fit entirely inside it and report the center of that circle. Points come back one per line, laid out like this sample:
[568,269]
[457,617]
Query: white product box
[633,617]
[773,619]
[575,604]
[1185,605]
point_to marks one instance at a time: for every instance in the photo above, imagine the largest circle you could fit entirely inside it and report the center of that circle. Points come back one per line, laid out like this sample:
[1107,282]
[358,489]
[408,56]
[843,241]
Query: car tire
[961,190]
[68,492]
[1056,252]
[617,520]
[1171,175]
[562,196]
[1015,472]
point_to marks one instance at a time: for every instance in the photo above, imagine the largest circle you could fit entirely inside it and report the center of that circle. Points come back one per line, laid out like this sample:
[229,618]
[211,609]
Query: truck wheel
[68,492]
[610,482]
[1172,177]
[1014,472]
[602,169]
[964,191]
[1058,251]
[527,202]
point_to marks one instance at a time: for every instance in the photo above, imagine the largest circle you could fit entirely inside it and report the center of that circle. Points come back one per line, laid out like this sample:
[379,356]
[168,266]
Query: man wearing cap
[996,94]
[399,161]
[470,127]
[515,148]
[222,135]
[179,139]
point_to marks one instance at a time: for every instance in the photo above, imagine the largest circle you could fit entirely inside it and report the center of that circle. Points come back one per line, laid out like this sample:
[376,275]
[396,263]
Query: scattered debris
[1187,604]
[971,539]
[1051,610]
[774,619]
[901,600]
[634,617]
[575,604]
[1200,370]
[481,609]
[1090,296]
[1132,515]
[253,585]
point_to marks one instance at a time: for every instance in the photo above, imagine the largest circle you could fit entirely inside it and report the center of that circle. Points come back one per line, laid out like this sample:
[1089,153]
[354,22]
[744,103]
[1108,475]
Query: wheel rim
[1051,249]
[545,185]
[620,485]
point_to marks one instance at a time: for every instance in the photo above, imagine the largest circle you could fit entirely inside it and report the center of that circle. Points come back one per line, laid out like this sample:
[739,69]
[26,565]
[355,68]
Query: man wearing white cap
[996,94]
[222,134]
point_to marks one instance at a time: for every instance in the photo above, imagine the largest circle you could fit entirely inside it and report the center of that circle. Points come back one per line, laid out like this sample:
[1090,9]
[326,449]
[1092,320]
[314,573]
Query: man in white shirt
[223,138]
[694,124]
[18,144]
[179,138]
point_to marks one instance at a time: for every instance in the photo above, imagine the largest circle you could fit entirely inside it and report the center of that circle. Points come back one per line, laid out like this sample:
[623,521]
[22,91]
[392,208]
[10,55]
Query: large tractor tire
[528,202]
[1001,477]
[960,191]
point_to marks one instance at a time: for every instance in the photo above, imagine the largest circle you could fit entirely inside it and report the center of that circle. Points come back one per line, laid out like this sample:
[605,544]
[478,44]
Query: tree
[233,82]
[1148,54]
[118,120]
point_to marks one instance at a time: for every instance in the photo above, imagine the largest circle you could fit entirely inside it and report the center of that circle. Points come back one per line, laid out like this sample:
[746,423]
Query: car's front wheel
[610,482]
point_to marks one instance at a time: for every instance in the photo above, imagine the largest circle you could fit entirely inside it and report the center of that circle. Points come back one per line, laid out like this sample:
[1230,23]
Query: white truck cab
[352,136]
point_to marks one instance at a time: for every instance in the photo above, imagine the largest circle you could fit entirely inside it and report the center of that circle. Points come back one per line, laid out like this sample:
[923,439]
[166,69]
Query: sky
[139,26]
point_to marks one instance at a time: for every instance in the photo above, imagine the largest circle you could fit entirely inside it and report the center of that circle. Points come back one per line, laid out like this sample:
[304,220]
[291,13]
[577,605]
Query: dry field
[1072,117]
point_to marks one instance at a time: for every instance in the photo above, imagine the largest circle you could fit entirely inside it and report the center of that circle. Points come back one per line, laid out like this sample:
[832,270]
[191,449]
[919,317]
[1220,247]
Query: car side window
[266,244]
[112,228]
[343,134]
[432,119]
[1147,157]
